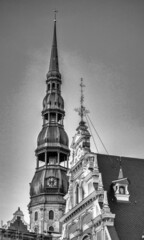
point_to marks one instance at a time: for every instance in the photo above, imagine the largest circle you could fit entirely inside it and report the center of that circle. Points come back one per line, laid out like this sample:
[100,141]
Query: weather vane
[55,12]
[82,110]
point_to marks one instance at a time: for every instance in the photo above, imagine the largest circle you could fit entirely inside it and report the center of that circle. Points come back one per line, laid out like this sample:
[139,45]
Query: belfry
[50,184]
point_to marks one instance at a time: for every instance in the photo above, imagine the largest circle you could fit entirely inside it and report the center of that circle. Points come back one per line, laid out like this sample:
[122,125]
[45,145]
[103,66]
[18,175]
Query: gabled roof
[129,220]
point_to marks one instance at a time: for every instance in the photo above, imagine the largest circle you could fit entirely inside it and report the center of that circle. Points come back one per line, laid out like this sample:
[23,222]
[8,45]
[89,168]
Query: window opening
[77,194]
[51,215]
[53,86]
[51,229]
[36,230]
[121,190]
[36,216]
[52,117]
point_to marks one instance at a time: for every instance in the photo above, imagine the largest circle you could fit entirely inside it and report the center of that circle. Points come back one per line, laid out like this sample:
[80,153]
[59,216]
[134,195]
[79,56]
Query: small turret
[120,187]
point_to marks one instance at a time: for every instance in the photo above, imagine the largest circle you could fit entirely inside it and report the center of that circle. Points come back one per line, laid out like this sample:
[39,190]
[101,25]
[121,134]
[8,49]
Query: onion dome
[40,182]
[53,100]
[53,135]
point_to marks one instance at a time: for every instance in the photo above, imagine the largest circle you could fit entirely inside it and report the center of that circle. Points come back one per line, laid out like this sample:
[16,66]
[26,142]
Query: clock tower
[50,183]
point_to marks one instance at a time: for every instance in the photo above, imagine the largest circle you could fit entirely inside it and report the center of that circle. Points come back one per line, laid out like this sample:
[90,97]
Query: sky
[99,40]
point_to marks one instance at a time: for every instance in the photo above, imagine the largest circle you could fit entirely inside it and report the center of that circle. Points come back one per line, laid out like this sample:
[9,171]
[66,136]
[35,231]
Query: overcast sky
[99,40]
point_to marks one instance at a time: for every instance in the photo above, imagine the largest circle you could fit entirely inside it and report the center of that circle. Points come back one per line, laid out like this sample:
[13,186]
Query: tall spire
[54,63]
[52,153]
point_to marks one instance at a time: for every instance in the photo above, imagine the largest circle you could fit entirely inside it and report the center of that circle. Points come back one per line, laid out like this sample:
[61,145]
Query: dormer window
[120,188]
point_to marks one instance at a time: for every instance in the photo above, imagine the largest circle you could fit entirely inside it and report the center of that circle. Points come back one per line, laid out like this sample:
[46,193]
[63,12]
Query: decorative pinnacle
[120,171]
[55,12]
[82,110]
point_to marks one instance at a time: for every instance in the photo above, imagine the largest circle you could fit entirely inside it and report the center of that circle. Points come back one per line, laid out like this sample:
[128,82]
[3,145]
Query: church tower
[50,184]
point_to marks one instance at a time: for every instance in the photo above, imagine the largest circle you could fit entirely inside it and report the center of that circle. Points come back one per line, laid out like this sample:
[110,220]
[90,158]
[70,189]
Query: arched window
[36,230]
[122,190]
[87,237]
[51,215]
[36,216]
[51,229]
[53,85]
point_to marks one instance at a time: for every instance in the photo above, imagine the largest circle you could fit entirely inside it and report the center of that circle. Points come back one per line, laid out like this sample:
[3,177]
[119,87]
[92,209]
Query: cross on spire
[82,110]
[55,12]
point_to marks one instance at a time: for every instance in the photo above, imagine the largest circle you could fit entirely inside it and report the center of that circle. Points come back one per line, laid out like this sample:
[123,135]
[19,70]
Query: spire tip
[55,12]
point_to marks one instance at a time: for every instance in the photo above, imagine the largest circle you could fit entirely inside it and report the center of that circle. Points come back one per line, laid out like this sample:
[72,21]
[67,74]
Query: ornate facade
[87,213]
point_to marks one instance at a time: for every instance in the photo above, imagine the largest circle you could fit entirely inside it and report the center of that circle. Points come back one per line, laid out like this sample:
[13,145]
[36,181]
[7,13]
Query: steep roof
[113,233]
[129,221]
[54,63]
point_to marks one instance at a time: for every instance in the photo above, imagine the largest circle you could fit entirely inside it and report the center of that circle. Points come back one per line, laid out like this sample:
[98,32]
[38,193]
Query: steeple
[50,182]
[81,140]
[54,63]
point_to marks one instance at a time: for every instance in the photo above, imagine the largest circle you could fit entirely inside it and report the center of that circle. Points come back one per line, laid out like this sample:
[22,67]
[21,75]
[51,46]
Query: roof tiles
[129,220]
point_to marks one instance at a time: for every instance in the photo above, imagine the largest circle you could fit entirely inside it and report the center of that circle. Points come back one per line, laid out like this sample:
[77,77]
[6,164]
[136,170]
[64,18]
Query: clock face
[52,182]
